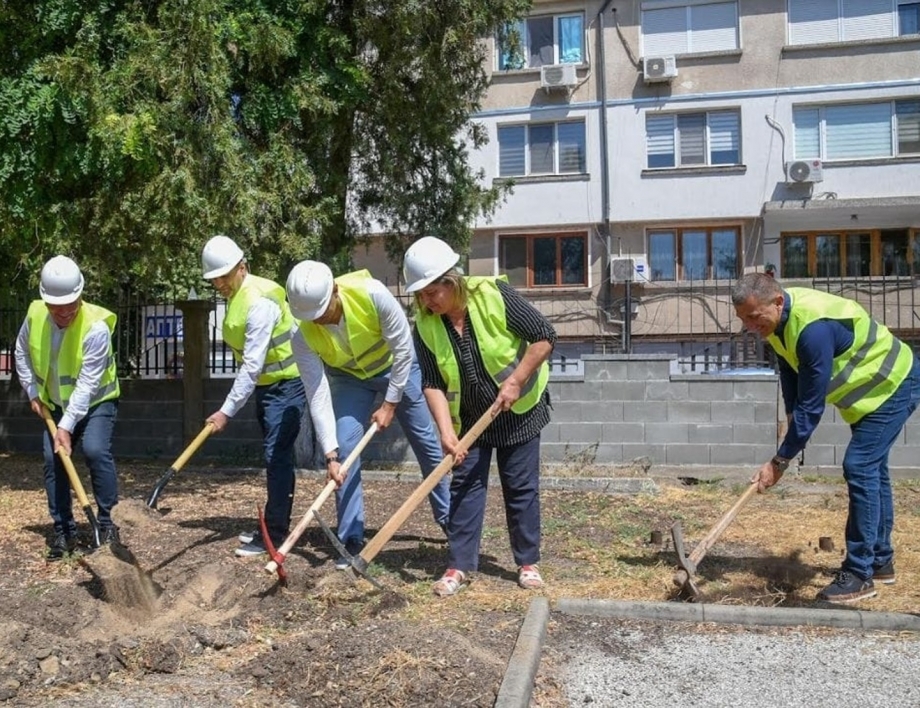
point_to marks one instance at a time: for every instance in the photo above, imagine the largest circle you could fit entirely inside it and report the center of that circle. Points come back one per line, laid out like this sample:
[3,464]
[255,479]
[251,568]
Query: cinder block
[732,412]
[620,390]
[668,391]
[767,413]
[666,433]
[643,411]
[687,454]
[601,411]
[710,390]
[733,455]
[574,391]
[605,369]
[719,434]
[816,454]
[754,434]
[831,434]
[609,454]
[656,453]
[756,390]
[566,412]
[689,411]
[905,456]
[648,370]
[624,433]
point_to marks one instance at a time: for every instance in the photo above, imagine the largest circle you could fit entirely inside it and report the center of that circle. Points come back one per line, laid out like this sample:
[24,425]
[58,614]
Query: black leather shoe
[60,546]
[109,535]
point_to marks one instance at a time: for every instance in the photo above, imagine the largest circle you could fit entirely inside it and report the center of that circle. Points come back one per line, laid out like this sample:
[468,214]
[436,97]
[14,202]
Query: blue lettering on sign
[163,326]
[640,268]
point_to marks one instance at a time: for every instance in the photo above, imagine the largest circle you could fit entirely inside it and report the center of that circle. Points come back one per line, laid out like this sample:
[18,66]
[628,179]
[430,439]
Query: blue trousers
[279,408]
[353,400]
[519,473]
[94,434]
[865,468]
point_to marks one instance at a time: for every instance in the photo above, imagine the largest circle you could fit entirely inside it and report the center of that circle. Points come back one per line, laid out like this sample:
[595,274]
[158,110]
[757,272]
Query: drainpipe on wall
[605,164]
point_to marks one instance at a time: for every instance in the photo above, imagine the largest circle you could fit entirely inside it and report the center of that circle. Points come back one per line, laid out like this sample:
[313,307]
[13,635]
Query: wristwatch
[780,464]
[333,458]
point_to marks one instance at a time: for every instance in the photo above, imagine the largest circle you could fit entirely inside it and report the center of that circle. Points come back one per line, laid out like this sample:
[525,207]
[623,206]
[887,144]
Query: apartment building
[658,149]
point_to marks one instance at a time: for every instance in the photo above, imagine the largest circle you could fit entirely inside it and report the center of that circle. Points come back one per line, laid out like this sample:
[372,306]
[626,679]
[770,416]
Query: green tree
[131,131]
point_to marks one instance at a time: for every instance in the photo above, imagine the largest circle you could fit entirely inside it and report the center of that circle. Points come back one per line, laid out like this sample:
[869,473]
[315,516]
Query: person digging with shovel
[257,327]
[482,346]
[354,345]
[65,363]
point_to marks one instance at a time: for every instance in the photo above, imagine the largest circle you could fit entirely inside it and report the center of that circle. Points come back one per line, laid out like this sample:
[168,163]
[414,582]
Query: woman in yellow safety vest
[481,346]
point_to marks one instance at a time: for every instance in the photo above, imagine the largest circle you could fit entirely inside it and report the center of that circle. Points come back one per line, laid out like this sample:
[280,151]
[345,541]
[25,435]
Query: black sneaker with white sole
[247,536]
[885,573]
[848,588]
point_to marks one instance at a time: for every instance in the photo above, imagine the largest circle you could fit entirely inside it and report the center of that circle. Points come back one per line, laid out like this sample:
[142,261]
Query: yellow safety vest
[70,354]
[367,353]
[865,375]
[501,349]
[279,361]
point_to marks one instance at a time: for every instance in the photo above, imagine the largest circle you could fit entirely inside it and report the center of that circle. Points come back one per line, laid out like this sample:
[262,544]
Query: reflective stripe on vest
[501,350]
[70,353]
[864,376]
[365,352]
[279,363]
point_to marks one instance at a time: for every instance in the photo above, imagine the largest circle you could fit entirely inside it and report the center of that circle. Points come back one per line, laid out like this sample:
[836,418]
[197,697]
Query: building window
[857,130]
[544,260]
[541,149]
[691,139]
[820,21]
[539,41]
[694,253]
[688,27]
[852,254]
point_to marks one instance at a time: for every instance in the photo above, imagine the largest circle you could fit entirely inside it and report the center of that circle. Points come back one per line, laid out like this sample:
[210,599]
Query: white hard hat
[61,281]
[219,256]
[427,260]
[309,290]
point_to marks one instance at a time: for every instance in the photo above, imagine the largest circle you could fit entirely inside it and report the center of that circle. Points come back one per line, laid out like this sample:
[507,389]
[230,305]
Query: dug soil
[180,621]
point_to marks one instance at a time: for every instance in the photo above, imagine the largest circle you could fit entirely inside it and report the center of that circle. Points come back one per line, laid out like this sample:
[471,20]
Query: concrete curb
[736,614]
[517,684]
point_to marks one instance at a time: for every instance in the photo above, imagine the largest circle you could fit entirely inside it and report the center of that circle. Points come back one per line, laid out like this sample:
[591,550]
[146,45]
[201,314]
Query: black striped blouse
[477,389]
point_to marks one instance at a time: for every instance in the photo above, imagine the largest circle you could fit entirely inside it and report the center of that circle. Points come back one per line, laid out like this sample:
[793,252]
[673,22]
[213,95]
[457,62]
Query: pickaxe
[178,465]
[276,564]
[683,578]
[360,563]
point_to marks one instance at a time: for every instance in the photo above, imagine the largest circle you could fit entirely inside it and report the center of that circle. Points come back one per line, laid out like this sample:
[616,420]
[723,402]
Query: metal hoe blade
[357,563]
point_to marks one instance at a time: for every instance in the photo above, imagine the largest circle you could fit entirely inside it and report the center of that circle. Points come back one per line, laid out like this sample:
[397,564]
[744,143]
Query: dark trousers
[519,473]
[279,408]
[94,434]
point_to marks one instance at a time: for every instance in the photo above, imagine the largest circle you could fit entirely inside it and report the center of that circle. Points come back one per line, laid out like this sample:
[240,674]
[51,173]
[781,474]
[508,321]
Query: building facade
[658,149]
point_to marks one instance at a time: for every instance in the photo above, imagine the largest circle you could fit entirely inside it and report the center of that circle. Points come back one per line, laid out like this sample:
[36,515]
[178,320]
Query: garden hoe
[359,563]
[276,564]
[178,465]
[683,578]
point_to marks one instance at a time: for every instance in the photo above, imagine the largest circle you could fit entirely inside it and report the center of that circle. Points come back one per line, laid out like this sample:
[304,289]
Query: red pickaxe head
[277,558]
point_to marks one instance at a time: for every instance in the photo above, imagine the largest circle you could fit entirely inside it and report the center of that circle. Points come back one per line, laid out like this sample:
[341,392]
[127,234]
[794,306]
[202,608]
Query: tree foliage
[132,131]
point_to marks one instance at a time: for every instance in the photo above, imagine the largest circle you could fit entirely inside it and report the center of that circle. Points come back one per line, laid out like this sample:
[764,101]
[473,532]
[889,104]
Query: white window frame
[823,131]
[845,31]
[688,30]
[525,42]
[707,137]
[527,148]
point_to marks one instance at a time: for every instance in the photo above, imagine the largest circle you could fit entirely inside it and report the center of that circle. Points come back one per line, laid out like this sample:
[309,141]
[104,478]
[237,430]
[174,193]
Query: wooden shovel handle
[192,447]
[386,532]
[716,531]
[72,475]
[305,520]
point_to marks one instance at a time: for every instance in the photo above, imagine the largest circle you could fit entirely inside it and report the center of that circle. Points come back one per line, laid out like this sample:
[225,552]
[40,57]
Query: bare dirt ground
[222,632]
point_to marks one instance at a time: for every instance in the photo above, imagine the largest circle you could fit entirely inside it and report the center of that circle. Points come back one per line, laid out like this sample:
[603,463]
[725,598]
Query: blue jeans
[279,408]
[865,469]
[353,400]
[519,473]
[94,434]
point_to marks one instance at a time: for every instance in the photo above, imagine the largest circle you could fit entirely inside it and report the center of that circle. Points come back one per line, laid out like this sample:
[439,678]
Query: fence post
[195,369]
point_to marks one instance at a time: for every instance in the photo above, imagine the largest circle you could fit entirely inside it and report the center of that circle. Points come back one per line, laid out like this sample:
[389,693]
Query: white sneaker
[247,536]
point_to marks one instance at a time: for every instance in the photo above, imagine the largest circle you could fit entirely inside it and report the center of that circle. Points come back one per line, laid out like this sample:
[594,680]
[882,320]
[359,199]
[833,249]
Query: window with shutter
[691,139]
[822,21]
[689,27]
[542,149]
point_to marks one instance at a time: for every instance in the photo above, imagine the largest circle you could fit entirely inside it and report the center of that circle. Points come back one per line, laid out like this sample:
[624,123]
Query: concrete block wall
[621,408]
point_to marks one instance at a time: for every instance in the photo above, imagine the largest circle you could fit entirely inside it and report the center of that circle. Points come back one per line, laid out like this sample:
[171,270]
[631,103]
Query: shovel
[275,565]
[75,482]
[683,578]
[359,563]
[178,465]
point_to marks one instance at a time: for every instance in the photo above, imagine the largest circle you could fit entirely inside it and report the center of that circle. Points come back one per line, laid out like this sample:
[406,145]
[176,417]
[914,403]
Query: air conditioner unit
[804,171]
[659,69]
[629,269]
[558,76]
